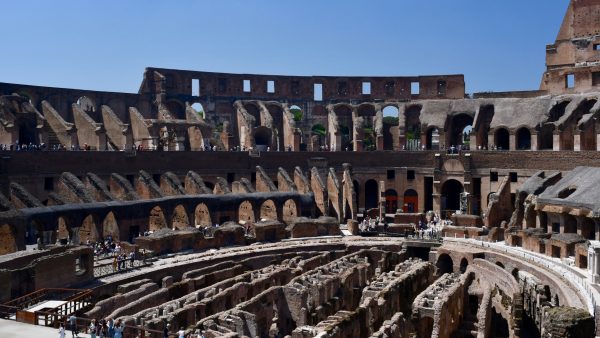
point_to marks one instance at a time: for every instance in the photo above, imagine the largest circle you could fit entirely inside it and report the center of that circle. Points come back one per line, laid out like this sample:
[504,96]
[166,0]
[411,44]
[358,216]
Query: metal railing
[107,269]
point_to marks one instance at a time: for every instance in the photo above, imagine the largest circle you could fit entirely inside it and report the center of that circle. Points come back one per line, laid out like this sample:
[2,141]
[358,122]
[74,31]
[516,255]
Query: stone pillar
[512,141]
[597,141]
[381,200]
[534,141]
[556,141]
[380,145]
[101,140]
[358,145]
[491,140]
[577,141]
[473,141]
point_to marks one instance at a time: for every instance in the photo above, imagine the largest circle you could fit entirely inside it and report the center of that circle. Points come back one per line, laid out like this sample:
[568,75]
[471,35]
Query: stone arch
[202,216]
[8,242]
[157,219]
[246,212]
[199,108]
[515,273]
[371,194]
[268,210]
[464,263]
[410,201]
[444,264]
[366,110]
[502,139]
[177,109]
[498,263]
[523,139]
[546,137]
[458,125]
[180,219]
[412,127]
[290,210]
[262,138]
[343,110]
[88,230]
[110,227]
[433,138]
[63,231]
[391,201]
[450,199]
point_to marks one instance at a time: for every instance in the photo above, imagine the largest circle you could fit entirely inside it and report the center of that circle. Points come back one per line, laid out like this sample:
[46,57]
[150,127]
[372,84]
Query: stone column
[577,141]
[556,141]
[512,141]
[534,141]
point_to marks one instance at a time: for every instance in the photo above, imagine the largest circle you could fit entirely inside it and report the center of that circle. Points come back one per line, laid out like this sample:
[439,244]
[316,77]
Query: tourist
[118,329]
[92,328]
[73,325]
[61,331]
[166,331]
[181,333]
[111,328]
[131,258]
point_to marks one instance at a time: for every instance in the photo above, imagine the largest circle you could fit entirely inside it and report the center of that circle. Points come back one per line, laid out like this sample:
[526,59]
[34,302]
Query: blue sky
[105,45]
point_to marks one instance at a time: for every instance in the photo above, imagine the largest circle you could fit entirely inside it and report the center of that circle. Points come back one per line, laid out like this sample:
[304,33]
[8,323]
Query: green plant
[319,129]
[391,120]
[297,114]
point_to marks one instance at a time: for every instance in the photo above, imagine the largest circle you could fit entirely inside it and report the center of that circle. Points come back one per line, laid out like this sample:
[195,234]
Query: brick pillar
[577,141]
[556,141]
[534,141]
[512,141]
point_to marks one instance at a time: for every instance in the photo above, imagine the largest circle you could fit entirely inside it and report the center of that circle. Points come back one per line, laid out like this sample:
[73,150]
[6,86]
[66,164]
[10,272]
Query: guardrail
[107,269]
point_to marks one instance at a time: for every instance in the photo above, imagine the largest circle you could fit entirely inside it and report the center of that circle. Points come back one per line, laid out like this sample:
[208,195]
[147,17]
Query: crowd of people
[106,248]
[109,328]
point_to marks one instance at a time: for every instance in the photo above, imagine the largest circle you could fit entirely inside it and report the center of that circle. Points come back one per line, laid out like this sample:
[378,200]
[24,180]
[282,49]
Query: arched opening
[254,111]
[391,201]
[180,218]
[482,125]
[157,219]
[268,210]
[296,113]
[176,109]
[199,109]
[499,326]
[570,224]
[433,138]
[110,227]
[557,111]
[63,230]
[523,139]
[88,230]
[500,264]
[8,242]
[290,210]
[371,194]
[366,110]
[450,198]
[588,228]
[318,136]
[546,137]
[262,138]
[27,131]
[460,129]
[515,274]
[202,216]
[444,264]
[390,127]
[463,265]
[412,127]
[411,201]
[502,139]
[246,212]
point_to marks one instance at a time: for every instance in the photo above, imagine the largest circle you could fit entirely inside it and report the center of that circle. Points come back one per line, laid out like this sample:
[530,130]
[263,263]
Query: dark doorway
[523,139]
[371,194]
[499,327]
[444,264]
[501,139]
[451,191]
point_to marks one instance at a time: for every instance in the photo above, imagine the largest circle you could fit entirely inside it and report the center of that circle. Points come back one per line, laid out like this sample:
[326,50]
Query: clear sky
[105,44]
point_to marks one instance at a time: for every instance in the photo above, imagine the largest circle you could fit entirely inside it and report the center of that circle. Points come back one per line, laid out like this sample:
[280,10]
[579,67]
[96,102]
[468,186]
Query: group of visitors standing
[97,328]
